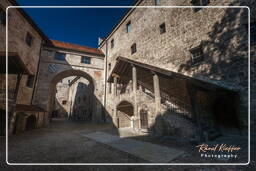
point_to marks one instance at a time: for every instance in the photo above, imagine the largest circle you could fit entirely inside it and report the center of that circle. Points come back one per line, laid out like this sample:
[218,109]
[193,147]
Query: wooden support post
[115,86]
[134,88]
[192,91]
[157,93]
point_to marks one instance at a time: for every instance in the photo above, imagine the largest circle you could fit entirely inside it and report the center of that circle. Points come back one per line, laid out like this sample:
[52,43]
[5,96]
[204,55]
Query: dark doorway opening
[225,110]
[2,122]
[31,122]
[144,119]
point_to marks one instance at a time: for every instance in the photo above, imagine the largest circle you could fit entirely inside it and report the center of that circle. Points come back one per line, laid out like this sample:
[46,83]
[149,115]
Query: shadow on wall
[82,105]
[225,55]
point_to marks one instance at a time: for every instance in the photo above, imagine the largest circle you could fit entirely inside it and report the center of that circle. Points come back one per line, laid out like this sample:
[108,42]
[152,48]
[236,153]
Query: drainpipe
[36,76]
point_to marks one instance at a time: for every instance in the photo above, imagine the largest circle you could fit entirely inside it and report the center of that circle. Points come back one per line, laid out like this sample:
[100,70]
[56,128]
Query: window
[60,56]
[109,66]
[133,48]
[64,102]
[196,55]
[128,27]
[84,98]
[30,81]
[199,3]
[2,17]
[162,28]
[29,39]
[157,2]
[112,43]
[85,60]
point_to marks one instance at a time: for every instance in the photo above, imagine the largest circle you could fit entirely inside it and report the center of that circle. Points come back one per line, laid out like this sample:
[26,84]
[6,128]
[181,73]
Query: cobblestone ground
[61,142]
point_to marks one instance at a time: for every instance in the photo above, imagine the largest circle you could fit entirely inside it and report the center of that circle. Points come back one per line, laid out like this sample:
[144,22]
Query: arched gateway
[62,60]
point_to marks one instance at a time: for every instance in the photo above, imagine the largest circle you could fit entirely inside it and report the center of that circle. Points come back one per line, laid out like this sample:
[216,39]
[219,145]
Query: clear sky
[79,26]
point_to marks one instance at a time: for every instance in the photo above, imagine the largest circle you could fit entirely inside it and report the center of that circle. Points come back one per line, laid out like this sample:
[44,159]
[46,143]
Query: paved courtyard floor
[64,141]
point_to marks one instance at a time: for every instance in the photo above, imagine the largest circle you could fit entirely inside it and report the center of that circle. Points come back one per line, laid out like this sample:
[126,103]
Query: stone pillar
[157,94]
[109,88]
[115,86]
[135,95]
[115,119]
[159,122]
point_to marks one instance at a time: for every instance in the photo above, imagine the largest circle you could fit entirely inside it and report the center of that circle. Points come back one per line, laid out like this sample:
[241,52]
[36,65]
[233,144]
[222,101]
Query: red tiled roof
[76,47]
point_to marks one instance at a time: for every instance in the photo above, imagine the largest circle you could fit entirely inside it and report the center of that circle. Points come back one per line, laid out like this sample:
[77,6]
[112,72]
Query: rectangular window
[128,27]
[64,102]
[112,43]
[30,81]
[199,3]
[157,2]
[133,48]
[60,56]
[162,28]
[2,17]
[109,66]
[197,55]
[29,39]
[85,60]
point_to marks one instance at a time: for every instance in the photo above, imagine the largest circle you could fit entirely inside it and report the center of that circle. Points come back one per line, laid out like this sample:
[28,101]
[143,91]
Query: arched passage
[125,113]
[67,73]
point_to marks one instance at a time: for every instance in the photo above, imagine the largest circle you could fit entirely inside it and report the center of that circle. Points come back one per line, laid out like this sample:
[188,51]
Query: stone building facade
[208,45]
[24,43]
[60,60]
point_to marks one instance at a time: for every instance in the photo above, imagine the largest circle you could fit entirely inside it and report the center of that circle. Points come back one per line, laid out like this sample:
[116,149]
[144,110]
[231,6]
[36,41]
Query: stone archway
[125,114]
[91,86]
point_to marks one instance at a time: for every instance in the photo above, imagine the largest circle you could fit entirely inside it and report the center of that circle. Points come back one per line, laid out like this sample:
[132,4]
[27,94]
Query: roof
[65,45]
[29,19]
[123,69]
[28,108]
[15,64]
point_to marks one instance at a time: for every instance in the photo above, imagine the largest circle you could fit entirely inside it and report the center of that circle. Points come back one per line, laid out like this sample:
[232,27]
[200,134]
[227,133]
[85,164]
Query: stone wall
[221,32]
[18,27]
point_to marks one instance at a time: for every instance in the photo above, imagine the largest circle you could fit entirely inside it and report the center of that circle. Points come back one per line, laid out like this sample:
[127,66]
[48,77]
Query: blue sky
[79,26]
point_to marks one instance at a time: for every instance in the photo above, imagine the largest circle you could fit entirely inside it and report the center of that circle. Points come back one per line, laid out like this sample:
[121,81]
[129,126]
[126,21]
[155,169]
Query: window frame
[30,81]
[29,39]
[162,28]
[128,26]
[109,66]
[133,48]
[56,57]
[87,61]
[112,43]
[199,3]
[199,58]
[157,2]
